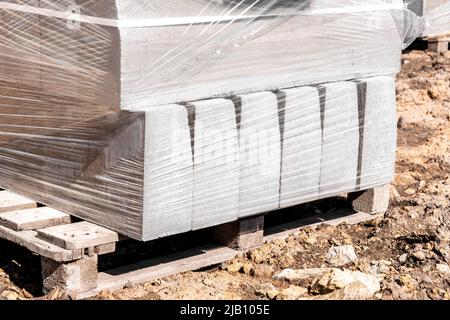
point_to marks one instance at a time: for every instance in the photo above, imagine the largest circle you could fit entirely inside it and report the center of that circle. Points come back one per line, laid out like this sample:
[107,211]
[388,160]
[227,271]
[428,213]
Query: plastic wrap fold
[158,117]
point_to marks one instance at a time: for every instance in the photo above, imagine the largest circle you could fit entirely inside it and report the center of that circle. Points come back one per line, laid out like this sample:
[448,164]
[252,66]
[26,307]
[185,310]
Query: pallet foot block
[438,46]
[216,163]
[302,145]
[243,234]
[340,142]
[259,151]
[372,201]
[73,277]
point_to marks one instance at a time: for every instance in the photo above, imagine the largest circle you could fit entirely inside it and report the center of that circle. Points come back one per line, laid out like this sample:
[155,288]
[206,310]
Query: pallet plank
[334,218]
[105,248]
[36,218]
[28,240]
[11,202]
[78,235]
[148,270]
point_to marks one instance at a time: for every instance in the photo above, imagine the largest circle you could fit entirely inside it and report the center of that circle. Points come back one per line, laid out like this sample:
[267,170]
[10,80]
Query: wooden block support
[372,201]
[73,277]
[241,235]
[438,46]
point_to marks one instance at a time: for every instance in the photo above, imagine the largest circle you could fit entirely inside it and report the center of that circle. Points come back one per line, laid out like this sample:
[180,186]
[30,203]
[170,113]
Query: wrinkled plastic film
[155,118]
[438,20]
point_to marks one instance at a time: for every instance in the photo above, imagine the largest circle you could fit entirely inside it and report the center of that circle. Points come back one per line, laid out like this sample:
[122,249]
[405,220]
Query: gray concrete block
[302,142]
[259,149]
[339,164]
[168,172]
[216,163]
[379,133]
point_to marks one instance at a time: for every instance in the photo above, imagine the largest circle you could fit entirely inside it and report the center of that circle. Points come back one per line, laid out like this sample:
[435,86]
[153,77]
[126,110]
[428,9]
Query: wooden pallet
[438,43]
[69,250]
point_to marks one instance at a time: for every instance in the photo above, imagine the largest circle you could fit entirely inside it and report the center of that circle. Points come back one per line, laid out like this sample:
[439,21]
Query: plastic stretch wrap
[159,117]
[435,13]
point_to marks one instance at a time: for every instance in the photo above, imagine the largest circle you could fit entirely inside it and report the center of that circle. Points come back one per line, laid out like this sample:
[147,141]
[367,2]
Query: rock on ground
[341,256]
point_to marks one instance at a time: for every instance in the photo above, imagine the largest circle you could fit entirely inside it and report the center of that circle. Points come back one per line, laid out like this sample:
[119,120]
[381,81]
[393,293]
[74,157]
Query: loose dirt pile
[403,255]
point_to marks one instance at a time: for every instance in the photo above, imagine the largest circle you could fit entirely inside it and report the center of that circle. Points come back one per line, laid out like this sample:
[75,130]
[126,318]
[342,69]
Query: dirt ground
[407,250]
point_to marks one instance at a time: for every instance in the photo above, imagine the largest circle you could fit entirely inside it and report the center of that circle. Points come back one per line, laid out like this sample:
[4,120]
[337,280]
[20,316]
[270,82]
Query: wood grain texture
[78,235]
[10,202]
[29,240]
[30,219]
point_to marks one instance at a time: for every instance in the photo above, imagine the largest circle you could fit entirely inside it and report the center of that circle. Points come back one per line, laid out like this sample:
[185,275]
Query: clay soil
[408,246]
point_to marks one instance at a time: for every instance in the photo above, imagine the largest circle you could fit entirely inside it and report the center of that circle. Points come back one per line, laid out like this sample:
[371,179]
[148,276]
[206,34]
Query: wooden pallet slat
[156,268]
[36,218]
[11,202]
[78,235]
[28,240]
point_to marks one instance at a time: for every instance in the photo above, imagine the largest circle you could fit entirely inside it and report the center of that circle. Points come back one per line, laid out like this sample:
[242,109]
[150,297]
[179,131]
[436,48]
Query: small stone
[341,256]
[292,293]
[410,191]
[53,295]
[407,280]
[272,294]
[419,255]
[444,268]
[256,256]
[378,296]
[10,295]
[352,291]
[263,289]
[402,259]
[247,268]
[264,271]
[427,280]
[380,267]
[292,275]
[234,267]
[422,184]
[338,279]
